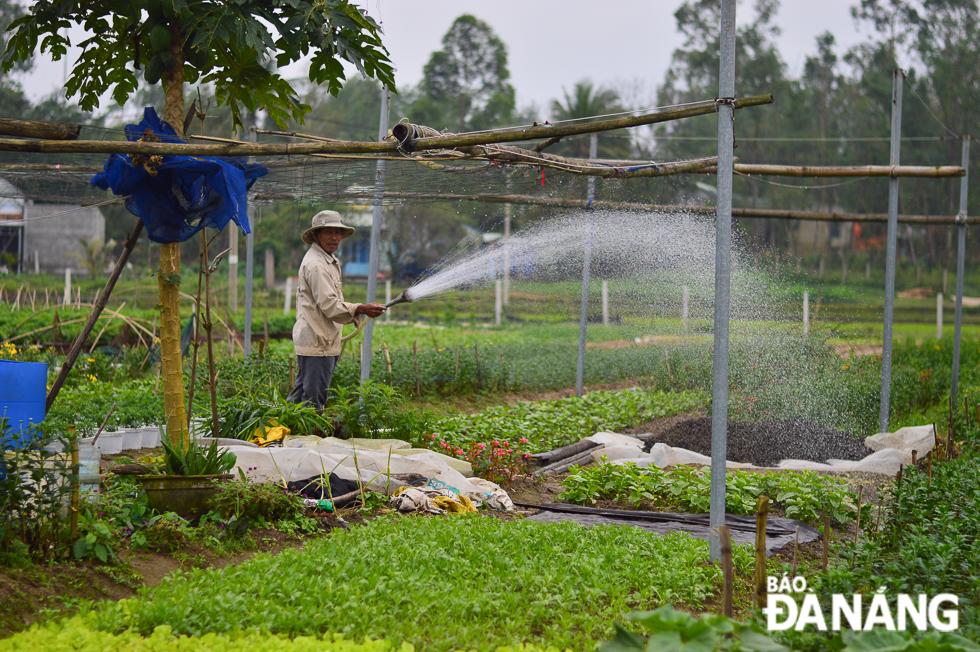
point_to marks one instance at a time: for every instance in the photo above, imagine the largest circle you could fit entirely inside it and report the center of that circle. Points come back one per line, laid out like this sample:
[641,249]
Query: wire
[787,185]
[934,117]
[77,209]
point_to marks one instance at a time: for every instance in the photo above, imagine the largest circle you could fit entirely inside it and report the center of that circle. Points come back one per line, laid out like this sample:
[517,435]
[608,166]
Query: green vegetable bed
[437,583]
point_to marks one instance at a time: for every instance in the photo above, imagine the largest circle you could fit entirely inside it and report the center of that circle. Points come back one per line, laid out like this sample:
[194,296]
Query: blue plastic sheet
[177,196]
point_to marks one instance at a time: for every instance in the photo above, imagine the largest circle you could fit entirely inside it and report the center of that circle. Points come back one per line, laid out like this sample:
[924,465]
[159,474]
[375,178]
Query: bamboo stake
[415,364]
[292,373]
[857,522]
[75,490]
[201,263]
[728,571]
[796,549]
[826,540]
[46,129]
[212,378]
[384,347]
[294,149]
[761,515]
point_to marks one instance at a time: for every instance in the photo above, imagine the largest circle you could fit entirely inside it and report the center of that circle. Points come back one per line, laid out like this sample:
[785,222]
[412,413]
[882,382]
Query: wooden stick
[826,540]
[295,149]
[796,549]
[75,490]
[100,303]
[384,347]
[292,373]
[415,363]
[104,421]
[914,453]
[761,514]
[857,523]
[201,263]
[728,571]
[208,325]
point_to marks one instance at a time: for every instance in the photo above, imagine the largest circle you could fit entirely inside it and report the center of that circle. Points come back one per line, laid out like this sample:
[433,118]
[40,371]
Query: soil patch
[765,443]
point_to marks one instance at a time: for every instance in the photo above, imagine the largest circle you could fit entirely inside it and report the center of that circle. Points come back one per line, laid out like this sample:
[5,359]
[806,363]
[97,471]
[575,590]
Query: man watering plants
[321,310]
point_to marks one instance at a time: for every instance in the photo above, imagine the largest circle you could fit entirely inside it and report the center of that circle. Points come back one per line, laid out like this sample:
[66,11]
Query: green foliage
[34,486]
[262,502]
[96,538]
[805,495]
[195,459]
[498,583]
[667,629]
[230,46]
[168,532]
[246,412]
[927,542]
[363,410]
[77,634]
[550,424]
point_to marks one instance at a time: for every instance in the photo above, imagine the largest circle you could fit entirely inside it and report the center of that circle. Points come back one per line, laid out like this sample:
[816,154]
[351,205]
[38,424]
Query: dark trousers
[313,376]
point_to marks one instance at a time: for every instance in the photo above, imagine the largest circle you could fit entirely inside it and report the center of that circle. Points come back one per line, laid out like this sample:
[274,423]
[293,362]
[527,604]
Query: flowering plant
[498,461]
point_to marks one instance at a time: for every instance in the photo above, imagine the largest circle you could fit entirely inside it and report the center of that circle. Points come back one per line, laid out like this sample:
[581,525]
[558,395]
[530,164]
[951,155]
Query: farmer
[321,310]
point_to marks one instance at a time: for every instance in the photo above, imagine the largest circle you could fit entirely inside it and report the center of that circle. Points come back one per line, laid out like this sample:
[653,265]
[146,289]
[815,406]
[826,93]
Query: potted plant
[190,477]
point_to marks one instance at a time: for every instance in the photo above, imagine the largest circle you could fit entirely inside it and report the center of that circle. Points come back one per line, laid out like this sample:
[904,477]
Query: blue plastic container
[23,391]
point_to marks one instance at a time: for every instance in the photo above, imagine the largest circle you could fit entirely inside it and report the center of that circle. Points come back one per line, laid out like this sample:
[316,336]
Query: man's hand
[370,309]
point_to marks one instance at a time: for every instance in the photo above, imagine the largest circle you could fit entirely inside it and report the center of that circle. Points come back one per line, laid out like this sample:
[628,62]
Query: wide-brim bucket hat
[327,219]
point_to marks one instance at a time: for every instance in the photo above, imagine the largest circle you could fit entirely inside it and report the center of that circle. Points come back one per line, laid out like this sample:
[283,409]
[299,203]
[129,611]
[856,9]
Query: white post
[37,262]
[507,248]
[605,303]
[806,312]
[233,268]
[287,302]
[939,316]
[270,268]
[498,301]
[387,298]
[67,286]
[684,310]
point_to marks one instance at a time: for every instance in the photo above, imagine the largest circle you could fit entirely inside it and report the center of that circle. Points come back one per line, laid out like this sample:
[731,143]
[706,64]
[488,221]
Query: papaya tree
[224,43]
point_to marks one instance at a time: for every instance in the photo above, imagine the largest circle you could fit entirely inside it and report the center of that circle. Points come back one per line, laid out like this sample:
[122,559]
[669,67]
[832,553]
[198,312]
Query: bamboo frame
[46,129]
[917,171]
[351,147]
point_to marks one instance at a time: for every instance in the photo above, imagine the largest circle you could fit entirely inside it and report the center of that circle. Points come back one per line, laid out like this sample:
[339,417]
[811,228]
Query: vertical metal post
[67,298]
[232,268]
[249,266]
[890,247]
[586,264]
[379,196]
[287,300]
[723,272]
[960,259]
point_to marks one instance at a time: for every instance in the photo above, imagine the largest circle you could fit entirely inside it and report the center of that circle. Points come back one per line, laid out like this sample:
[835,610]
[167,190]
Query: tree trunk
[171,364]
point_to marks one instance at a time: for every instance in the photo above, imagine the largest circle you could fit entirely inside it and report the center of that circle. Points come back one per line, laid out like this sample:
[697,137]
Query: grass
[440,584]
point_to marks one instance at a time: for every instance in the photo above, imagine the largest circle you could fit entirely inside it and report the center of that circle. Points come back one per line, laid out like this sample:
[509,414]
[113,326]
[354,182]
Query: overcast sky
[554,43]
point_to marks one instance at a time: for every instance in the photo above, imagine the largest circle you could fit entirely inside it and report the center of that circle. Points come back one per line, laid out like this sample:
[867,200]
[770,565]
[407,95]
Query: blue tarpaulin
[177,196]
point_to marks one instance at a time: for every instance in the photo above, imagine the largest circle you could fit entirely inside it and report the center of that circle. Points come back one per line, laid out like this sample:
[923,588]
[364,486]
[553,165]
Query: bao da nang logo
[790,606]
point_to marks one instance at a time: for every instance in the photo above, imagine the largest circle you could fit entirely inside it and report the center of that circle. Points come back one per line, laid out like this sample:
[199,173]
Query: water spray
[404,297]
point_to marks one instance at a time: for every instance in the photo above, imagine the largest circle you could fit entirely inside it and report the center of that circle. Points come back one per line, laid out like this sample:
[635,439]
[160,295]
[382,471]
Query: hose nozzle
[401,298]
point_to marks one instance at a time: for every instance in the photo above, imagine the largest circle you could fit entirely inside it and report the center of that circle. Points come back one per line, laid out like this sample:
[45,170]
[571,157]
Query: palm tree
[587,103]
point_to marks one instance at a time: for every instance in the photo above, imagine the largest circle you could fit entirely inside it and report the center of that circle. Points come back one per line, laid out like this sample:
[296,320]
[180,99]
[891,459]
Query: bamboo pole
[202,262]
[761,515]
[341,147]
[208,325]
[105,326]
[100,303]
[918,171]
[75,490]
[826,540]
[23,128]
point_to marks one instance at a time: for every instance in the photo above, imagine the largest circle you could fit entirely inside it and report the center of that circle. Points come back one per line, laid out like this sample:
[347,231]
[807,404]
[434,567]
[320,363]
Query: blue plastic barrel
[23,390]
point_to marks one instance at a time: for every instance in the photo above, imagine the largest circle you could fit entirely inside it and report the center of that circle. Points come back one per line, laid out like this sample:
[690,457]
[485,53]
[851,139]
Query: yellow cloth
[271,434]
[462,506]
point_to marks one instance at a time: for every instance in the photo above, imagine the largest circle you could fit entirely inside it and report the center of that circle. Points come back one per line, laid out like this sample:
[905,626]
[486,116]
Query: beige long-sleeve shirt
[321,310]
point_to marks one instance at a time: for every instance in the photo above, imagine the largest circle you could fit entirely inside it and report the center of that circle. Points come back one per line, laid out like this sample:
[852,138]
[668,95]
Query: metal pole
[249,265]
[586,264]
[379,196]
[939,316]
[891,245]
[960,258]
[723,271]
